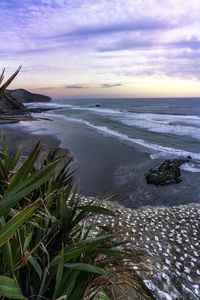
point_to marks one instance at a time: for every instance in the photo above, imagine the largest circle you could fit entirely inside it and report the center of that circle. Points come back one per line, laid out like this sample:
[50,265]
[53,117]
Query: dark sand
[17,136]
[97,157]
[105,165]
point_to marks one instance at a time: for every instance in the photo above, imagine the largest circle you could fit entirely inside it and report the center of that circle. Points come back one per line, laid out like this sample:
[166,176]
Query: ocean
[116,141]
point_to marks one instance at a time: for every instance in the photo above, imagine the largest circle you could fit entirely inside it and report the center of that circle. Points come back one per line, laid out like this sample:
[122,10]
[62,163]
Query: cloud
[46,88]
[150,42]
[144,24]
[103,85]
[191,43]
[75,86]
[128,44]
[106,41]
[106,85]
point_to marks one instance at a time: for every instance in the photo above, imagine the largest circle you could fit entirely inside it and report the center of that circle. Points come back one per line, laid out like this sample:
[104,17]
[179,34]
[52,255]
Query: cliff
[22,95]
[8,104]
[11,101]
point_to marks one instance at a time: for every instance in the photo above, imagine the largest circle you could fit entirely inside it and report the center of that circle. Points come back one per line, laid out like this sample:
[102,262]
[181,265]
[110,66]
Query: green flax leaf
[9,288]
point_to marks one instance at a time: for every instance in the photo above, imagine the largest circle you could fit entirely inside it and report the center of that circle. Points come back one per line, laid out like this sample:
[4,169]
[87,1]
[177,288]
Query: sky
[102,48]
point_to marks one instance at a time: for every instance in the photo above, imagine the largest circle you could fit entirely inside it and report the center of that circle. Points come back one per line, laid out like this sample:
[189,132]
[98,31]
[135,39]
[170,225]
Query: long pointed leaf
[7,231]
[8,82]
[25,187]
[9,288]
[77,249]
[25,169]
[88,268]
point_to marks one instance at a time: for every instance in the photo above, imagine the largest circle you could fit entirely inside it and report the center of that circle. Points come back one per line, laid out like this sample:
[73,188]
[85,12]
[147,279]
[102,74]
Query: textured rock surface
[168,172]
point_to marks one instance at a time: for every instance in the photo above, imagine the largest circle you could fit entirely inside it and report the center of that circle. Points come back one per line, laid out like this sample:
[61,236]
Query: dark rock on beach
[22,95]
[168,172]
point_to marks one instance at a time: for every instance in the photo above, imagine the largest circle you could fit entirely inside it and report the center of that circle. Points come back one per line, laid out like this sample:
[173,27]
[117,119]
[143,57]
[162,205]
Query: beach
[109,161]
[163,220]
[100,104]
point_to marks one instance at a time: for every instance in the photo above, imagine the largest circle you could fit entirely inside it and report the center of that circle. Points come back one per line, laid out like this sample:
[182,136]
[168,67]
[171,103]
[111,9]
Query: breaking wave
[179,125]
[155,149]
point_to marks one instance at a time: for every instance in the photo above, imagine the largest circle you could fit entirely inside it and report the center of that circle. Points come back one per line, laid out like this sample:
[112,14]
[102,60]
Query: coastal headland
[168,234]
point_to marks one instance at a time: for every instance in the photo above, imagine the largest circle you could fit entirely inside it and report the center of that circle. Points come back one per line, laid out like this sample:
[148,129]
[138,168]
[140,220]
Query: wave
[131,118]
[163,125]
[159,123]
[47,105]
[157,150]
[159,117]
[73,107]
[101,110]
[191,167]
[180,125]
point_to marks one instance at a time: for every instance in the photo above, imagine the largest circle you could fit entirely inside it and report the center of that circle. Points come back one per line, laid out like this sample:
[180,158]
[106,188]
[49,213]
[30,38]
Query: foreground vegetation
[48,249]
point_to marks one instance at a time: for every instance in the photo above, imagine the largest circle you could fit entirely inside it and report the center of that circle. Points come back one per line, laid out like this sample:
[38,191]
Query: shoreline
[29,140]
[11,118]
[167,233]
[123,170]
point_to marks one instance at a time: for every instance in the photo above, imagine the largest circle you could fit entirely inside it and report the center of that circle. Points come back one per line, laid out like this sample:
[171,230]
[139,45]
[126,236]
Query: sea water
[161,128]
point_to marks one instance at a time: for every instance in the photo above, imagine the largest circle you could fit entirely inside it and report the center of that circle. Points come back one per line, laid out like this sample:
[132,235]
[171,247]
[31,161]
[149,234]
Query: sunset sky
[103,48]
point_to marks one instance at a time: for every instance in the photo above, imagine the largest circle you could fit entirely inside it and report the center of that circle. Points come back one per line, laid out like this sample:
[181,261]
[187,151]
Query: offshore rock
[168,172]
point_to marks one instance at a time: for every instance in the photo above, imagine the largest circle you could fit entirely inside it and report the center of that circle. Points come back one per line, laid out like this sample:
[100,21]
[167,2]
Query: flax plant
[47,249]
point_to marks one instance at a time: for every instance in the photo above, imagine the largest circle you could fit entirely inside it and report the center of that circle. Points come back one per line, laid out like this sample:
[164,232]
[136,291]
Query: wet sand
[18,136]
[169,234]
[106,165]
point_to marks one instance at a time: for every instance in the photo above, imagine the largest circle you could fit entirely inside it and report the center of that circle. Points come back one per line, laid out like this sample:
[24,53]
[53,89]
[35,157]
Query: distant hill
[11,101]
[22,96]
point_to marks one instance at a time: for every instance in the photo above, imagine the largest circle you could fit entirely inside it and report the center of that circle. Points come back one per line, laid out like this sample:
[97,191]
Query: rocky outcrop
[168,172]
[23,96]
[11,101]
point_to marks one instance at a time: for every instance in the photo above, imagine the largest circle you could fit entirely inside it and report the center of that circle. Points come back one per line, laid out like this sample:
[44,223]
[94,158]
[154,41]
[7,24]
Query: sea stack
[8,104]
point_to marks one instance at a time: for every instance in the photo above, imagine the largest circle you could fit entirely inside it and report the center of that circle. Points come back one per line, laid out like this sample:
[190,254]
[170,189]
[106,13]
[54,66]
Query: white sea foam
[163,123]
[180,125]
[155,149]
[97,110]
[101,110]
[190,167]
[159,118]
[48,105]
